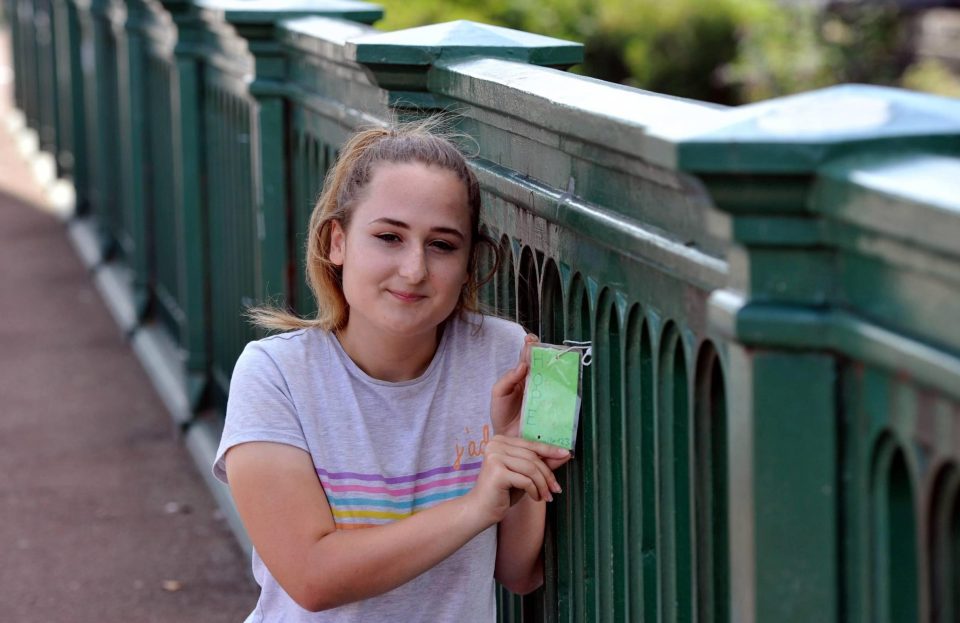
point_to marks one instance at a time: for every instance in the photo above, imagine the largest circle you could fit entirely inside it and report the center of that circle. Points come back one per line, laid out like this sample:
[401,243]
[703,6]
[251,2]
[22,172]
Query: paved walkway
[103,516]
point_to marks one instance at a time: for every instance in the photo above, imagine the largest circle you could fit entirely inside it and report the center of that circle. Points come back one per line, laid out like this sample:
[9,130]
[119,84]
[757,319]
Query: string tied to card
[585,348]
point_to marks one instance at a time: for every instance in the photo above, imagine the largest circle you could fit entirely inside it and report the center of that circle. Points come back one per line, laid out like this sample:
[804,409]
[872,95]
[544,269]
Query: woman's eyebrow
[402,225]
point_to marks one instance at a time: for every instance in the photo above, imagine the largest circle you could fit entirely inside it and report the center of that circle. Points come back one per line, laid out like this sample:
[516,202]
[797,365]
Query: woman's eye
[443,245]
[388,237]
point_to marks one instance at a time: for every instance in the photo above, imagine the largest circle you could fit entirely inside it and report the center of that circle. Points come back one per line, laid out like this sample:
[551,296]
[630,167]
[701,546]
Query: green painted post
[189,195]
[46,75]
[80,154]
[28,63]
[102,104]
[400,61]
[60,15]
[87,84]
[795,288]
[75,113]
[11,15]
[256,23]
[132,143]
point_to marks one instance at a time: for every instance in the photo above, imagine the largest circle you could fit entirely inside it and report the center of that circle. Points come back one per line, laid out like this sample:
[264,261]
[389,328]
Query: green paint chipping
[551,402]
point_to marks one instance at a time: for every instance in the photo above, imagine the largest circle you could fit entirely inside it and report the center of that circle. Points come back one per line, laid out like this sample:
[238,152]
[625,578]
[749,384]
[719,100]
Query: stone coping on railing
[272,11]
[427,45]
[799,133]
[595,111]
[605,129]
[840,238]
[895,222]
[322,36]
[913,197]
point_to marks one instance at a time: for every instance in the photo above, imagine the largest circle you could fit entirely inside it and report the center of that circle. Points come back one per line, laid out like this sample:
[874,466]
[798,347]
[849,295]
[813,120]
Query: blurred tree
[675,47]
[725,51]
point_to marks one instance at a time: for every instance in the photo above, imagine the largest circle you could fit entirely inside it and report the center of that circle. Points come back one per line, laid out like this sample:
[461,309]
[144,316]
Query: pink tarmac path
[103,516]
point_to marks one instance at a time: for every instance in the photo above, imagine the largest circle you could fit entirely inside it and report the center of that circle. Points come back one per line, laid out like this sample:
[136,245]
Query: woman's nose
[413,267]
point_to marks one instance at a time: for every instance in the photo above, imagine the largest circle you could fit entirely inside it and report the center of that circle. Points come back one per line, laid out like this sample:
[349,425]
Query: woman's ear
[338,243]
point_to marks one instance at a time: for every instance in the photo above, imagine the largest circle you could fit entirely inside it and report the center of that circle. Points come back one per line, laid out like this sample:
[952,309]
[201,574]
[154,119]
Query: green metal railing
[103,103]
[167,271]
[72,162]
[846,225]
[771,426]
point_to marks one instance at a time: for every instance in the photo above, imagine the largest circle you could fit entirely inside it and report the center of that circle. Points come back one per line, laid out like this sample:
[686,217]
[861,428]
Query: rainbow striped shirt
[382,451]
[363,500]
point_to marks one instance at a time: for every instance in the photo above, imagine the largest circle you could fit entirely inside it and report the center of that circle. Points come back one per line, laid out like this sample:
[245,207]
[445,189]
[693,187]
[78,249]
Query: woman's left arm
[519,565]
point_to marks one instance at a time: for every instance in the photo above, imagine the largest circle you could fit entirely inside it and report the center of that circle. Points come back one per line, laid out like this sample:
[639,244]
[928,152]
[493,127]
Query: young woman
[373,451]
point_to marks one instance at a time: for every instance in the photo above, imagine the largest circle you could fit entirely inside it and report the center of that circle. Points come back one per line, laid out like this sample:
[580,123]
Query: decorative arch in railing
[893,533]
[506,281]
[710,485]
[943,544]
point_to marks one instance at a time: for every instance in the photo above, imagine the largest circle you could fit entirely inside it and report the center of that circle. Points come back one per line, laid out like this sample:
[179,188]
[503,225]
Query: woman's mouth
[407,297]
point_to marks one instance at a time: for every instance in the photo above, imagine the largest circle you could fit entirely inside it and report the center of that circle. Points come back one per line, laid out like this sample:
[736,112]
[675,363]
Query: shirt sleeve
[259,407]
[513,339]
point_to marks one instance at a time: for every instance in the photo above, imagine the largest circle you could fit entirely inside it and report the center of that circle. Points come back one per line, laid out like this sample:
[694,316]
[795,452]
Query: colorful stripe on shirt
[360,500]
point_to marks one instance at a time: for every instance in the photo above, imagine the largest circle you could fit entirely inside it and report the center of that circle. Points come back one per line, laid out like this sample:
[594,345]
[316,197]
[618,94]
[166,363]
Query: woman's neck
[388,357]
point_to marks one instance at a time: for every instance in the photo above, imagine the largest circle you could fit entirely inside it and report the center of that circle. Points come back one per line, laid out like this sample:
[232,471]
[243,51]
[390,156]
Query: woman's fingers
[509,382]
[530,469]
[528,343]
[518,480]
[528,455]
[532,454]
[555,464]
[512,466]
[543,450]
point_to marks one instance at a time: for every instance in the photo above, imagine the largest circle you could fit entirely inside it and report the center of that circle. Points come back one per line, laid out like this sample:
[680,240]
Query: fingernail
[549,498]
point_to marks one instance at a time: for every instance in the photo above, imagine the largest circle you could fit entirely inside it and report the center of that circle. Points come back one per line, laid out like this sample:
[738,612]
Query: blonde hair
[344,183]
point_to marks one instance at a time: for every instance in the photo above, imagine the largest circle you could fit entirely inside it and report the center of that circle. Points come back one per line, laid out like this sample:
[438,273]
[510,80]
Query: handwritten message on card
[551,404]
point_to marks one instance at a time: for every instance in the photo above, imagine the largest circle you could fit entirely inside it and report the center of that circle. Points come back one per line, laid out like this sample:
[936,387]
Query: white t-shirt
[382,452]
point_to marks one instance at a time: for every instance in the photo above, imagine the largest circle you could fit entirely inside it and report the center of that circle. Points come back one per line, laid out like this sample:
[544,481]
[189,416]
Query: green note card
[551,400]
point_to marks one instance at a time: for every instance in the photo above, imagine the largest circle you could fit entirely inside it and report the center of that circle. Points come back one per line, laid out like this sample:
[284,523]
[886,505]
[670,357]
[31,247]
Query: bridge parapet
[837,314]
[771,427]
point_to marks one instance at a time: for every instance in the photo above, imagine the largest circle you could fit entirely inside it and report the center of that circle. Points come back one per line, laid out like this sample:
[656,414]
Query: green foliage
[399,14]
[727,51]
[676,47]
[780,53]
[932,76]
[791,49]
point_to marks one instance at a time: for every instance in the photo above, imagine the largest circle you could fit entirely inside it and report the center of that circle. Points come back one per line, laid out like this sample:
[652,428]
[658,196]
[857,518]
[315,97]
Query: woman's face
[405,254]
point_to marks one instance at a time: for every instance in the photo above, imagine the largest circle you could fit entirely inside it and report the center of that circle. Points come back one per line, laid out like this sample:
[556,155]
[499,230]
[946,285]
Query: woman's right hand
[514,467]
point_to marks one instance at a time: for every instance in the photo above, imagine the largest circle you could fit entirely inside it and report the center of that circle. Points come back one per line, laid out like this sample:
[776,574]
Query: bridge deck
[104,517]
